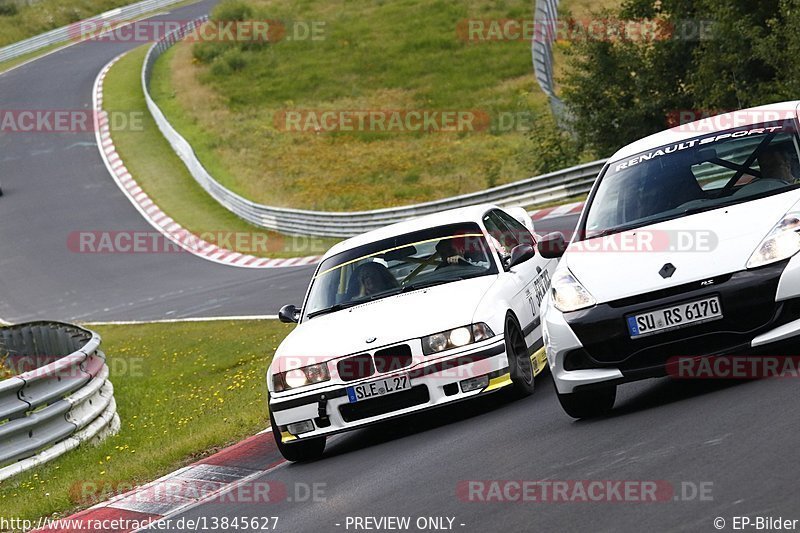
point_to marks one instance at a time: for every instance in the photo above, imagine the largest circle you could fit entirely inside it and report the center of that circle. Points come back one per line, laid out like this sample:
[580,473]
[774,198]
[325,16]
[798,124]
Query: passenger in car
[775,165]
[371,278]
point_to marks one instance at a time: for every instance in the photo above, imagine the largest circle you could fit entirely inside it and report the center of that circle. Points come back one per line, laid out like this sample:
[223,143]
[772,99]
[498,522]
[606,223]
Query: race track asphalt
[56,184]
[722,448]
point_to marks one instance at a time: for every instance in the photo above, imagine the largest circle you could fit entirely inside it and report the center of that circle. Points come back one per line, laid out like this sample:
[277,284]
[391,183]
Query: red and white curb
[153,214]
[225,477]
[557,211]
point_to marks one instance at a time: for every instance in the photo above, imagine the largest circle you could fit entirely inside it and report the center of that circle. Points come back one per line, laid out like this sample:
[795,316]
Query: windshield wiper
[618,229]
[333,308]
[423,285]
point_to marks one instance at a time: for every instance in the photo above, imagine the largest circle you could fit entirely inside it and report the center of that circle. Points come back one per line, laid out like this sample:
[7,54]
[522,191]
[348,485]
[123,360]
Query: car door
[527,282]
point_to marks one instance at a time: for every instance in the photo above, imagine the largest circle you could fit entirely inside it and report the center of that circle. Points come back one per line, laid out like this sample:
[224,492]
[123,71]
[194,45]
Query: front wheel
[588,404]
[301,451]
[519,362]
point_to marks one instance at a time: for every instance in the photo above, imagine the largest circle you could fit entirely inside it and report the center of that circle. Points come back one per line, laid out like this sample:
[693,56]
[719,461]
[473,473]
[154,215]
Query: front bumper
[593,347]
[433,383]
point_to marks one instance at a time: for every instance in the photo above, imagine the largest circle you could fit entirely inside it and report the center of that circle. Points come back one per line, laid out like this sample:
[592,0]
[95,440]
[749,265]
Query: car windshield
[406,262]
[689,177]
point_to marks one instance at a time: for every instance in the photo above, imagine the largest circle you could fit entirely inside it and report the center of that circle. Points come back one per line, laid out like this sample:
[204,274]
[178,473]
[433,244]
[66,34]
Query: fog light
[300,427]
[474,383]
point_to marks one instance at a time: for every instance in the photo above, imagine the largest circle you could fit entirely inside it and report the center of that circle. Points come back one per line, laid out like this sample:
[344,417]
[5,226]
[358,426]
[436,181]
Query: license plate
[381,387]
[677,316]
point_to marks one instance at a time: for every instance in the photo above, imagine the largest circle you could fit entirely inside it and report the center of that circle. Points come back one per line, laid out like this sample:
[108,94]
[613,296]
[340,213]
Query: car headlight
[300,377]
[782,242]
[568,293]
[455,338]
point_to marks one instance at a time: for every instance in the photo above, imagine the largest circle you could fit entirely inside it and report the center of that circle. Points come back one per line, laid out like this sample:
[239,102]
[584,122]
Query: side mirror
[552,245]
[520,254]
[289,314]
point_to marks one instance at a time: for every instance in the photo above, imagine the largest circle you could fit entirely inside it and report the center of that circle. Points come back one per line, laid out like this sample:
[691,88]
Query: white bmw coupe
[408,317]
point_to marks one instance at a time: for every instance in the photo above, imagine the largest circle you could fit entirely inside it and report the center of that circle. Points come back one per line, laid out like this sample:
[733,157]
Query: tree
[709,55]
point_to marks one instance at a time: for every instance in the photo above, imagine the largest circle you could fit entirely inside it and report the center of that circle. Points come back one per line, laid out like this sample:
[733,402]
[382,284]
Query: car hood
[390,320]
[724,239]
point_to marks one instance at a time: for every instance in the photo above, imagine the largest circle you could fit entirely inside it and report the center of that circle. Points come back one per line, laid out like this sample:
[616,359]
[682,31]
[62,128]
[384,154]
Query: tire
[301,451]
[519,362]
[588,404]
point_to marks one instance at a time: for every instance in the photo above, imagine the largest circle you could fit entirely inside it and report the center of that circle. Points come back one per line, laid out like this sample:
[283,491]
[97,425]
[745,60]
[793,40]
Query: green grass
[403,54]
[159,171]
[182,391]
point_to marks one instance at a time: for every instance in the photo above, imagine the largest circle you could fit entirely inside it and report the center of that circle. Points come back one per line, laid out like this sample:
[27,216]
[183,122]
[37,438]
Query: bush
[8,9]
[207,52]
[232,10]
[551,148]
[230,52]
[235,59]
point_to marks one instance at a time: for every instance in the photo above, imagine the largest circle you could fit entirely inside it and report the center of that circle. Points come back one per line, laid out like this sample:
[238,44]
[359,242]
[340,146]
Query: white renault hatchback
[411,316]
[686,248]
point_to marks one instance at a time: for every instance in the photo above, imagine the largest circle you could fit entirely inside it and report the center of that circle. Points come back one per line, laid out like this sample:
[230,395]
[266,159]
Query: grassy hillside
[375,55]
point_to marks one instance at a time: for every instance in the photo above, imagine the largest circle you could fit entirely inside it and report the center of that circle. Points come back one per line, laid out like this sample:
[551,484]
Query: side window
[520,232]
[500,232]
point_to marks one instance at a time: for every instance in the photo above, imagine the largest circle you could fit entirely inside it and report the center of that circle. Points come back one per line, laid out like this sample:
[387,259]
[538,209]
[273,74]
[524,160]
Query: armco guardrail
[62,397]
[65,33]
[539,189]
[545,24]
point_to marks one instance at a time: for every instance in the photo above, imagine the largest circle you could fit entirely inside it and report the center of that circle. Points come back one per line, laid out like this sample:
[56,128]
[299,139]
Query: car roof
[699,128]
[472,213]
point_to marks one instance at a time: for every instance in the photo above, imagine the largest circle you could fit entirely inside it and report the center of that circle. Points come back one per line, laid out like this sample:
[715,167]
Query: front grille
[384,404]
[356,367]
[669,292]
[394,358]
